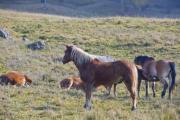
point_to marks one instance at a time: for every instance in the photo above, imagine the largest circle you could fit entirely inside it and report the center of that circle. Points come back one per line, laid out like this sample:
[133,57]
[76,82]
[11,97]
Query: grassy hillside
[97,8]
[120,37]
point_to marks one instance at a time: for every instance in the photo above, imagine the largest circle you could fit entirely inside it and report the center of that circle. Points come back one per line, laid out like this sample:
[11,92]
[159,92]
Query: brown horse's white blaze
[95,73]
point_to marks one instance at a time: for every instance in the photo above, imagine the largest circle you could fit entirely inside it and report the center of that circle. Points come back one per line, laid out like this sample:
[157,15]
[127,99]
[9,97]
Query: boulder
[4,34]
[39,45]
[25,39]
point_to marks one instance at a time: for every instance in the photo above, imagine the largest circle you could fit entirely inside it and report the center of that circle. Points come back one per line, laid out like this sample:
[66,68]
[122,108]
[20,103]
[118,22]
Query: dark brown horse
[95,73]
[140,61]
[163,71]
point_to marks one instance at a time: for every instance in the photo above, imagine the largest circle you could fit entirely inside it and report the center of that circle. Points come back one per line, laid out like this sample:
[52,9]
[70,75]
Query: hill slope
[120,37]
[97,8]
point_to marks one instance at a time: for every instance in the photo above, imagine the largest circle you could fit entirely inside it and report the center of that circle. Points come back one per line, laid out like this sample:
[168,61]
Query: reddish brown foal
[72,82]
[95,73]
[15,78]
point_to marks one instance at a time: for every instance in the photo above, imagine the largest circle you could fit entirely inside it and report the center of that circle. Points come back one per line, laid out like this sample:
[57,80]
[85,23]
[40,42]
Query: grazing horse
[15,78]
[140,61]
[161,70]
[95,73]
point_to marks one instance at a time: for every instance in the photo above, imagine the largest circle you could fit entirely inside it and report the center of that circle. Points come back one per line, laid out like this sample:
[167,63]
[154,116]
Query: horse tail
[173,74]
[28,79]
[135,77]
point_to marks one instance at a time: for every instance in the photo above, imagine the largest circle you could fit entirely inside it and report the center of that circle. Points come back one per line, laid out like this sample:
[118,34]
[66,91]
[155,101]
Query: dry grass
[120,37]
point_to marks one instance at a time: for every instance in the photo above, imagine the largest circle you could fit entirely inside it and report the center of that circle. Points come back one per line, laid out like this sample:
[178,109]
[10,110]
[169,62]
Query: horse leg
[115,89]
[147,88]
[133,93]
[170,88]
[109,89]
[139,85]
[153,89]
[164,88]
[88,92]
[70,85]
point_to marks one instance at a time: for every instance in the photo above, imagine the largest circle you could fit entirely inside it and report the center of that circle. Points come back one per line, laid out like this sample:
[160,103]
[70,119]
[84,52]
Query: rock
[25,39]
[4,34]
[39,45]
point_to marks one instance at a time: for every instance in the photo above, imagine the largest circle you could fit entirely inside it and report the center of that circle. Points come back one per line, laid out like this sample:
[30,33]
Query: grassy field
[120,37]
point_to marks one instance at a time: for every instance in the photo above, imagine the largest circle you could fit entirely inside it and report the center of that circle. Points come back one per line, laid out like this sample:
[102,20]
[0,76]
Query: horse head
[141,60]
[67,54]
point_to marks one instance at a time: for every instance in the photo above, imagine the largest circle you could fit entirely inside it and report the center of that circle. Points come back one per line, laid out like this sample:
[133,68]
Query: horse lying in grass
[72,82]
[140,61]
[15,78]
[163,71]
[76,83]
[95,73]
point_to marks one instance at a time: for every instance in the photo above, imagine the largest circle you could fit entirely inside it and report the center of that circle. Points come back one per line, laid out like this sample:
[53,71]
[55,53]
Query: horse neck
[80,67]
[80,60]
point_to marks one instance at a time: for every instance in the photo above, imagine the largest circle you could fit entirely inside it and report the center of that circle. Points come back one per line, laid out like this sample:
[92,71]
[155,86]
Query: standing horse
[140,61]
[95,73]
[161,70]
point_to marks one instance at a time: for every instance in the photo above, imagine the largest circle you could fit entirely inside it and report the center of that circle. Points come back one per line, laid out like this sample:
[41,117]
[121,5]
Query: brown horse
[76,83]
[161,70]
[95,73]
[140,61]
[72,82]
[15,78]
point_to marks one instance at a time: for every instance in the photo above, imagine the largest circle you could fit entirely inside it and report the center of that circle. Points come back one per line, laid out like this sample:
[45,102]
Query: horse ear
[67,46]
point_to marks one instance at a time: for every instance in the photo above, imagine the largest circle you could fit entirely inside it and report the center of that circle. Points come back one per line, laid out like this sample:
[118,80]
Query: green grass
[120,37]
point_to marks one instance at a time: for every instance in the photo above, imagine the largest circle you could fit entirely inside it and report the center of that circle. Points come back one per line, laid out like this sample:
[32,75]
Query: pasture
[119,37]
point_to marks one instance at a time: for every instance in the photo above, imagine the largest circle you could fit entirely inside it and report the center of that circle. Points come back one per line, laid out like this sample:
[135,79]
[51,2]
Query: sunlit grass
[120,37]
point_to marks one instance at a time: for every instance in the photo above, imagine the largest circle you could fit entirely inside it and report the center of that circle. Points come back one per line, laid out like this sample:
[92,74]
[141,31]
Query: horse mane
[80,56]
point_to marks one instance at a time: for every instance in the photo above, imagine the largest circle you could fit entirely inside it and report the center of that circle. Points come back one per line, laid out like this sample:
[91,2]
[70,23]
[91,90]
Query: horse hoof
[147,97]
[133,108]
[162,95]
[107,94]
[169,98]
[87,107]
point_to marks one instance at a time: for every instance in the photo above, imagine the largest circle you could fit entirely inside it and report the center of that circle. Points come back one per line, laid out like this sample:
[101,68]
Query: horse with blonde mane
[95,73]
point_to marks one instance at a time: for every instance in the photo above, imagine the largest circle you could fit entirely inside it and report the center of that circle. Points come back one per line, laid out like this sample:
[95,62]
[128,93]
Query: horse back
[17,77]
[112,72]
[163,67]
